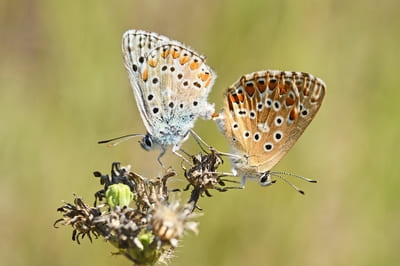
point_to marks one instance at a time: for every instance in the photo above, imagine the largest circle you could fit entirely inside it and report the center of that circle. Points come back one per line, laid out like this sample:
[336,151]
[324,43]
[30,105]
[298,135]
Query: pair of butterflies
[264,112]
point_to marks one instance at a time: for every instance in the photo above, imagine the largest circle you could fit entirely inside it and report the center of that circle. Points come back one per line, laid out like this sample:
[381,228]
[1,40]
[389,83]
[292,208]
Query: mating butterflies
[264,114]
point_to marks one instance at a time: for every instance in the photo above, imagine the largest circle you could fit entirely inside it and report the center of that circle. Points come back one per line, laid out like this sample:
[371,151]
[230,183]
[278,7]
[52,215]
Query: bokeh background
[63,87]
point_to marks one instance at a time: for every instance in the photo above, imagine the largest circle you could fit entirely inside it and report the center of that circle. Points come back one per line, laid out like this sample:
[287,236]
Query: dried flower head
[81,217]
[136,216]
[169,221]
[203,175]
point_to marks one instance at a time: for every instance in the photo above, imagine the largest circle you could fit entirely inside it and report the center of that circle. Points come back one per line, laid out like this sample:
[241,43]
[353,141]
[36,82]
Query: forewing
[136,44]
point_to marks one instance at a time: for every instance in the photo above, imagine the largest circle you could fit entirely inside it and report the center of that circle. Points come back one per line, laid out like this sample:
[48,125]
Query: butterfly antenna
[298,176]
[276,174]
[122,139]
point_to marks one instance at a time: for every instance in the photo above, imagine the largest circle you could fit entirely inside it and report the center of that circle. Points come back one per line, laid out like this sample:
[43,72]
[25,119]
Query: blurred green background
[63,87]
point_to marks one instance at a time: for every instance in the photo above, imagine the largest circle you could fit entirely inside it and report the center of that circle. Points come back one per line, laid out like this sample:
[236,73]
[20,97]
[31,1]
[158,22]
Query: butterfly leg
[186,153]
[200,141]
[243,181]
[175,150]
[222,174]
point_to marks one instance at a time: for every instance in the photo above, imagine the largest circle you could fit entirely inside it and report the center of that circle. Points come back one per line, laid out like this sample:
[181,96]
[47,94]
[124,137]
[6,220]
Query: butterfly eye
[147,142]
[265,179]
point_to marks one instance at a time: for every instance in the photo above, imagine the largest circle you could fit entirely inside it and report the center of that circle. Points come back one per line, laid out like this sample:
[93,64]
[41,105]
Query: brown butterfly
[264,114]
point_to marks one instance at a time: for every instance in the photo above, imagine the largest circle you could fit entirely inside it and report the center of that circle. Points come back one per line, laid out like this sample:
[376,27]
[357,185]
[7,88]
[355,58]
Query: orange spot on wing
[250,89]
[194,65]
[233,98]
[229,99]
[293,114]
[165,53]
[145,74]
[208,82]
[289,101]
[203,76]
[214,115]
[152,63]
[285,87]
[184,60]
[175,54]
[261,86]
[272,84]
[240,97]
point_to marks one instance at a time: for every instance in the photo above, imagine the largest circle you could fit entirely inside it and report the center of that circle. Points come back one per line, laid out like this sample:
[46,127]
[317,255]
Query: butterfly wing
[266,112]
[171,86]
[135,46]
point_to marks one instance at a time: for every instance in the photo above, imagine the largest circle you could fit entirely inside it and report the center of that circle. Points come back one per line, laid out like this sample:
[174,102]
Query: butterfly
[263,116]
[170,83]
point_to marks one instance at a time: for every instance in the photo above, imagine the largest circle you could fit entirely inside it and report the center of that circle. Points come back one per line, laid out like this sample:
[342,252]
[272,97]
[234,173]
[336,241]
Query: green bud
[146,252]
[119,195]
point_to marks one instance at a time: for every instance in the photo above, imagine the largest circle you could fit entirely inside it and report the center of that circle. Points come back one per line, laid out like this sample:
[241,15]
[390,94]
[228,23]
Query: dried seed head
[203,175]
[121,226]
[146,231]
[203,171]
[170,221]
[81,217]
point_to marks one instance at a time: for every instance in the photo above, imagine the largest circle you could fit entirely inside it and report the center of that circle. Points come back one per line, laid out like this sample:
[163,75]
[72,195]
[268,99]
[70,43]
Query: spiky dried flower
[81,217]
[169,221]
[203,176]
[149,230]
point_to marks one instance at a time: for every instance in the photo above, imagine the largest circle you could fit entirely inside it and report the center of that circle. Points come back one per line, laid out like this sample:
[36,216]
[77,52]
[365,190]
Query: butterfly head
[147,142]
[265,179]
